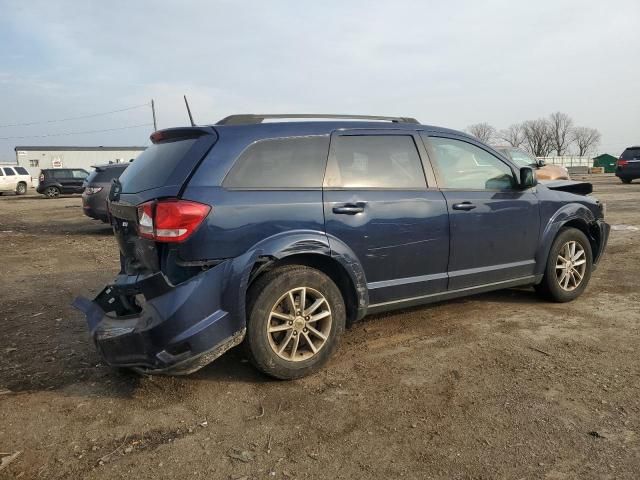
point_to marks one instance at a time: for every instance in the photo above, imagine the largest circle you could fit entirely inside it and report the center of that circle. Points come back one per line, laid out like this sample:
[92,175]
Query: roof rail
[251,118]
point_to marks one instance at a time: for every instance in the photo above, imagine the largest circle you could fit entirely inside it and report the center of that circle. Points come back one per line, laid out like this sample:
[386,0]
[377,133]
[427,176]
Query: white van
[14,179]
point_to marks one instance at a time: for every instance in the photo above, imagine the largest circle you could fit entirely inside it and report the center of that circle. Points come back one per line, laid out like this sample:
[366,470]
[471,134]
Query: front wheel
[568,268]
[625,179]
[295,318]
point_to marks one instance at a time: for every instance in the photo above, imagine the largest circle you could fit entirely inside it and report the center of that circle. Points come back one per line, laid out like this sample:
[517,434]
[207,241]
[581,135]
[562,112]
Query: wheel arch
[571,216]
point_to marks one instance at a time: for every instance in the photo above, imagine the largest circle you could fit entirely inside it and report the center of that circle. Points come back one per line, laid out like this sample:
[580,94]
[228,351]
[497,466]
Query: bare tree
[586,139]
[514,135]
[537,136]
[482,131]
[561,125]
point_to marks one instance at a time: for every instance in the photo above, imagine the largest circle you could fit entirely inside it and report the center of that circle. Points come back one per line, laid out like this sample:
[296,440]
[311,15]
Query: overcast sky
[446,63]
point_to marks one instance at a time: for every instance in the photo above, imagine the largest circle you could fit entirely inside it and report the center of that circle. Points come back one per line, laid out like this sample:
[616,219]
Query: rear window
[21,171]
[105,175]
[630,154]
[296,162]
[154,166]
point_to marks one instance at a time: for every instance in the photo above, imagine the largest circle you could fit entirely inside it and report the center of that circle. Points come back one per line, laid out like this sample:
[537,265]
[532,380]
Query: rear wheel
[295,318]
[21,189]
[52,192]
[568,267]
[625,179]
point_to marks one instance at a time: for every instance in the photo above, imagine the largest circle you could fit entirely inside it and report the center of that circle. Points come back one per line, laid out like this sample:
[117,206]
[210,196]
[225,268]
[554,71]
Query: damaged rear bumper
[145,323]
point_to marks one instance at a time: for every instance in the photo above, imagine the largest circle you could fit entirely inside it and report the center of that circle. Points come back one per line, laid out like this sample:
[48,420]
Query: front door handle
[349,208]
[466,206]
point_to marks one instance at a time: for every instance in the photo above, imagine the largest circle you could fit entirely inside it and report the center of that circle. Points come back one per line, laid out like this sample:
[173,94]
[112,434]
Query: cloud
[452,63]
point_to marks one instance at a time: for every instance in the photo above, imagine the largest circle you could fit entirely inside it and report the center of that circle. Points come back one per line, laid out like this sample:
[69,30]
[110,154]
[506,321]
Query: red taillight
[622,163]
[170,220]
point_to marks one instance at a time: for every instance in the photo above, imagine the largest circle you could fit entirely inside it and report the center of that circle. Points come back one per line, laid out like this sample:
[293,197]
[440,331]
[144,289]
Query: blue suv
[277,234]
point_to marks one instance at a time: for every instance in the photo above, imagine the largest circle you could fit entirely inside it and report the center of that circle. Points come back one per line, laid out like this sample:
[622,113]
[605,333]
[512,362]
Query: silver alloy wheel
[571,265]
[299,324]
[52,192]
[22,189]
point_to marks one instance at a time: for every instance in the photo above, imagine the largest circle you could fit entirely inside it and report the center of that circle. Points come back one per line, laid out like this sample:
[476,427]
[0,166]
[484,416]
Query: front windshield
[521,158]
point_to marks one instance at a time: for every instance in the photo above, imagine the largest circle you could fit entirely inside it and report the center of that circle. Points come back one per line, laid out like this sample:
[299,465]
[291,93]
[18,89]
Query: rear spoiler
[182,133]
[579,188]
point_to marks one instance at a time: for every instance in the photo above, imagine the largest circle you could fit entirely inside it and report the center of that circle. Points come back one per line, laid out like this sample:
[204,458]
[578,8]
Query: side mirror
[541,163]
[527,178]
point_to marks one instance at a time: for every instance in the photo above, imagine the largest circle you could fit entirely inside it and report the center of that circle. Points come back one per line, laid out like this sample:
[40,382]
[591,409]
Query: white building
[35,158]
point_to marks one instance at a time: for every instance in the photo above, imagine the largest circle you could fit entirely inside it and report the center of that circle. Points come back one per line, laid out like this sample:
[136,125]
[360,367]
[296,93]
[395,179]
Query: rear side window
[630,154]
[21,171]
[154,166]
[61,173]
[375,161]
[296,162]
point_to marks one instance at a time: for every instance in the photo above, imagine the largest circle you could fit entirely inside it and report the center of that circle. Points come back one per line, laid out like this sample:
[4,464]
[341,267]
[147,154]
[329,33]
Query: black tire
[550,287]
[263,296]
[625,179]
[21,189]
[52,192]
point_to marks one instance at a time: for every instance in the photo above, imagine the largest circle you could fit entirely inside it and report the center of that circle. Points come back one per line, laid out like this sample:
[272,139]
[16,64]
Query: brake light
[92,190]
[622,163]
[41,177]
[170,220]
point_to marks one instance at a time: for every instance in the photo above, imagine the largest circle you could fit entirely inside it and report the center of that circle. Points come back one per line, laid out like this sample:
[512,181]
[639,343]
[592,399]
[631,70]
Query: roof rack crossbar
[259,118]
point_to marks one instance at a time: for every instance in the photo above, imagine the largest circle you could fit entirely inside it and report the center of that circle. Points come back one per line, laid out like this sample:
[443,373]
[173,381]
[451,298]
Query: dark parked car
[56,181]
[628,165]
[96,190]
[279,234]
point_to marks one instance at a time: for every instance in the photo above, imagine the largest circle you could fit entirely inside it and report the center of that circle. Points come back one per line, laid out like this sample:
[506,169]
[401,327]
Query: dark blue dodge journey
[277,234]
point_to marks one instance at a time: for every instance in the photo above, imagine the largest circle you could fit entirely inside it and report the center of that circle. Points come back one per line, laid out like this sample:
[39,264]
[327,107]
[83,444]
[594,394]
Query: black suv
[280,234]
[55,181]
[628,165]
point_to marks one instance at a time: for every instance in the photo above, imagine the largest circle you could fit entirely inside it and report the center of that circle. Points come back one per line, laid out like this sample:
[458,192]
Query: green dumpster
[607,161]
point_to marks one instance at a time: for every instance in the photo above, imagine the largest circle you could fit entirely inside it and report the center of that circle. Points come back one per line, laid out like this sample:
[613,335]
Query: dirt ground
[500,385]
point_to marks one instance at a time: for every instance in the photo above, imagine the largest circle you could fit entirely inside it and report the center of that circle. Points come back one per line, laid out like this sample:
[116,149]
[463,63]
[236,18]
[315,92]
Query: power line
[26,124]
[77,133]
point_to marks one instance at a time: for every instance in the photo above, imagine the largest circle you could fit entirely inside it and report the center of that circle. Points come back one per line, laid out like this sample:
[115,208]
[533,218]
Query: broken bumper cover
[176,330]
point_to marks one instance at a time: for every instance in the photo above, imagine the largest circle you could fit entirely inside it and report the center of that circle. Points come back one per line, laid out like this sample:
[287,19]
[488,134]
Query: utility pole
[153,111]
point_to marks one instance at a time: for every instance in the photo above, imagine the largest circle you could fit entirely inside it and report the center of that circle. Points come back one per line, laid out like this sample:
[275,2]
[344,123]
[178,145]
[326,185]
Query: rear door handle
[349,208]
[466,206]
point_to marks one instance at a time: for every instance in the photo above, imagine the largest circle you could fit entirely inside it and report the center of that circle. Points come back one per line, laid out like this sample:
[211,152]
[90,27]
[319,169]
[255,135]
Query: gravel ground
[500,385]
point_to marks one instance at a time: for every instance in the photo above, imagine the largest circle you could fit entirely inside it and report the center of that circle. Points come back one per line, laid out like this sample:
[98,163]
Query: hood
[578,188]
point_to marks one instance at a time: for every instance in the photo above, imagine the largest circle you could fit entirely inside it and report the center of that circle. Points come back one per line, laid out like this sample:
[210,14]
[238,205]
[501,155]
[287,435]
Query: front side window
[375,161]
[9,171]
[520,158]
[79,174]
[296,162]
[463,166]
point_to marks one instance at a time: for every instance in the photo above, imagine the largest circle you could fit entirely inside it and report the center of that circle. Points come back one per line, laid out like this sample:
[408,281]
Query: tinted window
[154,166]
[60,173]
[79,174]
[106,175]
[461,165]
[21,171]
[296,162]
[8,171]
[375,161]
[631,153]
